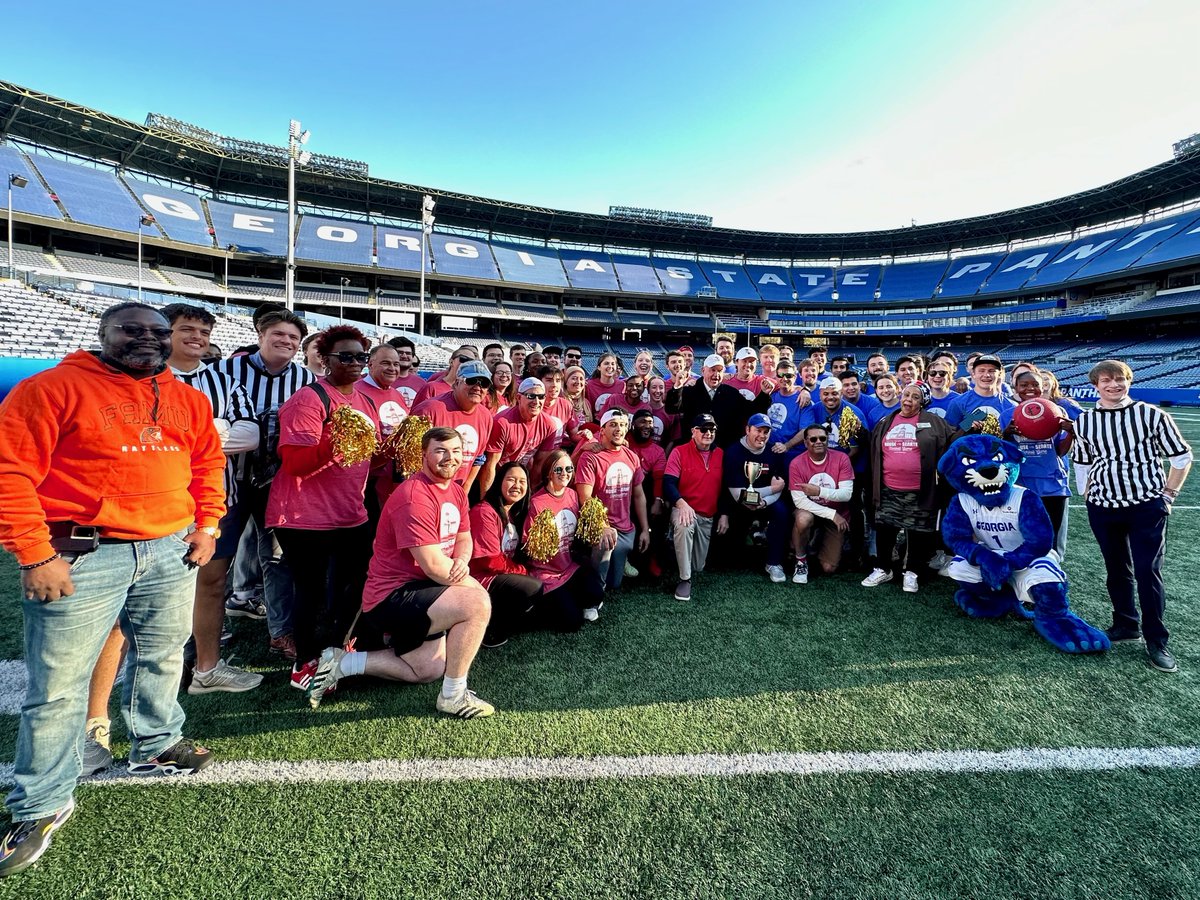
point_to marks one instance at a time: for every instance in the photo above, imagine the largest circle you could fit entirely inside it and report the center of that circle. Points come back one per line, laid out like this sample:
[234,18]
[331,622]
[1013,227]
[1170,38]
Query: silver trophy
[752,470]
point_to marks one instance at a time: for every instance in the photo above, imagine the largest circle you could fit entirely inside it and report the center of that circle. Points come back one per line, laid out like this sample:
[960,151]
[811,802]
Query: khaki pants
[691,544]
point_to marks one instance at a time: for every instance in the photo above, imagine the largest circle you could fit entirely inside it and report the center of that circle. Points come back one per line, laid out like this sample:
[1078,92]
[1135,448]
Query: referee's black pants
[1133,541]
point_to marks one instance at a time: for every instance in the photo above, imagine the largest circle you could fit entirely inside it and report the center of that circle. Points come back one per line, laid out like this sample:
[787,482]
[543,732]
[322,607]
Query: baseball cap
[987,359]
[745,353]
[475,369]
[687,348]
[713,360]
[759,420]
[612,414]
[829,382]
[704,420]
[530,384]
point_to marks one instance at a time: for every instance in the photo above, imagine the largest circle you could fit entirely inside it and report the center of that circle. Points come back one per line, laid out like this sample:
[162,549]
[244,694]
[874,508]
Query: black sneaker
[1123,635]
[184,758]
[27,841]
[1160,658]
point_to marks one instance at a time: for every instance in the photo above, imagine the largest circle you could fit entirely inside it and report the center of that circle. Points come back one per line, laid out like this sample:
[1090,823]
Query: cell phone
[187,560]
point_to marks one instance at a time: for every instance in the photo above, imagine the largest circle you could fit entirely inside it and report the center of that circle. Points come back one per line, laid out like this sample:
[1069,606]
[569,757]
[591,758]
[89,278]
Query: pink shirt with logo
[835,468]
[612,474]
[490,537]
[599,395]
[474,427]
[901,456]
[748,389]
[562,413]
[514,438]
[559,568]
[410,385]
[392,405]
[654,463]
[420,513]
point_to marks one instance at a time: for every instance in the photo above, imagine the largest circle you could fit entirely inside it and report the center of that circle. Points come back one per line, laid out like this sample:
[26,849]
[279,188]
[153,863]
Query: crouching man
[418,590]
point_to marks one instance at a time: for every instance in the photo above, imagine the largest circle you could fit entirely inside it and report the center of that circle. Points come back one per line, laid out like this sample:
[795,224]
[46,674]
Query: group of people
[147,494]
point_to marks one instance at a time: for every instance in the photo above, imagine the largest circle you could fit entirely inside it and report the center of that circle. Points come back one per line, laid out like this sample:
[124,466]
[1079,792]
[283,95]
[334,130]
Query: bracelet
[38,565]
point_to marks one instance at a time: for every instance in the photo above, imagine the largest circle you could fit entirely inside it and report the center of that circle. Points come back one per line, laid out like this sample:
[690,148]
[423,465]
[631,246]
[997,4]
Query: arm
[806,503]
[30,425]
[639,511]
[487,472]
[241,437]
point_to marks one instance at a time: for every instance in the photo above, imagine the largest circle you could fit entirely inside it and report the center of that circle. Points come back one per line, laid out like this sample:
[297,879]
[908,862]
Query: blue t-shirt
[1044,472]
[865,405]
[940,406]
[817,414]
[881,412]
[784,414]
[965,404]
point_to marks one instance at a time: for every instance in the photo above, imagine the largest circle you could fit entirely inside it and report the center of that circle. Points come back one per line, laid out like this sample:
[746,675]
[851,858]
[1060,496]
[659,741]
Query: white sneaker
[910,582]
[465,706]
[777,574]
[326,677]
[800,576]
[224,677]
[630,571]
[591,614]
[940,560]
[876,578]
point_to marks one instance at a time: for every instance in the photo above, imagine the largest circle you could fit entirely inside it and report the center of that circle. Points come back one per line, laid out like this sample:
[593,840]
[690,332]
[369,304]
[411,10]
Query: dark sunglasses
[463,359]
[563,470]
[817,440]
[346,357]
[534,397]
[706,429]
[939,374]
[479,382]
[786,374]
[136,331]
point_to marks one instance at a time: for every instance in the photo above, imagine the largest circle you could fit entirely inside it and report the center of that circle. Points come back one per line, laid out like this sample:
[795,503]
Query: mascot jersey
[997,527]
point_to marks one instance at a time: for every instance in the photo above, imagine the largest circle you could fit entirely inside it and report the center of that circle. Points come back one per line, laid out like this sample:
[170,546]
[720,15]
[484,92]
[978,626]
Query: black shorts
[404,615]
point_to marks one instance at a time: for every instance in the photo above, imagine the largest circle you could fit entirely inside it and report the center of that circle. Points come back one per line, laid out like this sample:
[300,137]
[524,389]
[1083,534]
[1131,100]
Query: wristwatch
[211,530]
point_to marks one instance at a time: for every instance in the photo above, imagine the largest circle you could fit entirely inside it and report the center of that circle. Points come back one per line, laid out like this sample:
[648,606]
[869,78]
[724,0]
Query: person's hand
[683,516]
[810,490]
[608,539]
[643,540]
[778,484]
[722,524]
[779,447]
[204,545]
[459,569]
[49,582]
[840,521]
[767,386]
[1010,431]
[1065,423]
[805,399]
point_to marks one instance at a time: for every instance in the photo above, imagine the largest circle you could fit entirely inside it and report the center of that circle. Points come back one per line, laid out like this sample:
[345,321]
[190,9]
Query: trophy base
[753,498]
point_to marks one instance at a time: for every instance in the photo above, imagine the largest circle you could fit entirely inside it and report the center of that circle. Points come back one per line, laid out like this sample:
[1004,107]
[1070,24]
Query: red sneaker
[302,675]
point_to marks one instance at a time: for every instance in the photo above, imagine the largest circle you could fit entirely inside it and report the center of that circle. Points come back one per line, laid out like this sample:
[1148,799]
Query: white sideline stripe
[1173,508]
[707,765]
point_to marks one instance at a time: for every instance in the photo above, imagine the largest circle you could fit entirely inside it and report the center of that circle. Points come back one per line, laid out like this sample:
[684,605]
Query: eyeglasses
[791,375]
[463,359]
[536,398]
[480,382]
[706,429]
[136,331]
[563,470]
[817,440]
[346,357]
[939,374]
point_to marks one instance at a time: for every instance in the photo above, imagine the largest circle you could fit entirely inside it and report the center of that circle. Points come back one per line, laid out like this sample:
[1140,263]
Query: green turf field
[745,668]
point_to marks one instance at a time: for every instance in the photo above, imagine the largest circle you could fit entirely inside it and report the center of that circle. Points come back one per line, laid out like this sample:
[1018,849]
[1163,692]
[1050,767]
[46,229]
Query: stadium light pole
[230,249]
[14,181]
[343,281]
[297,138]
[142,223]
[427,220]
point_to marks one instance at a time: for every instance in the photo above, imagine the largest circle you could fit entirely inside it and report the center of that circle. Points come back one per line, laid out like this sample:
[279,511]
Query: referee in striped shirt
[1118,452]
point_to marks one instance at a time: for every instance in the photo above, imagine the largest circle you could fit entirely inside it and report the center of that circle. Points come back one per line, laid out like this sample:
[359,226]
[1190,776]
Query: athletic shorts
[404,615]
[1043,570]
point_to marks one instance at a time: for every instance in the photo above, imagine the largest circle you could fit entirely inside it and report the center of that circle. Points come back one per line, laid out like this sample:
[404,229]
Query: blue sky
[788,116]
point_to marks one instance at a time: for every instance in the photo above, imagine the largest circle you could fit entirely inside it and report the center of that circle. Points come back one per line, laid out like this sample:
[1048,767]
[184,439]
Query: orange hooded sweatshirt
[84,442]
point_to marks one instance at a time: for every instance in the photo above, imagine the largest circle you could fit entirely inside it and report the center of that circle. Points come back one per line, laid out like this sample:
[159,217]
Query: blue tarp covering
[1183,245]
[32,198]
[589,271]
[911,281]
[529,264]
[813,283]
[179,214]
[636,274]
[13,369]
[400,248]
[90,196]
[774,283]
[964,276]
[335,240]
[1135,246]
[730,280]
[253,230]
[463,257]
[855,284]
[680,277]
[1019,266]
[1077,254]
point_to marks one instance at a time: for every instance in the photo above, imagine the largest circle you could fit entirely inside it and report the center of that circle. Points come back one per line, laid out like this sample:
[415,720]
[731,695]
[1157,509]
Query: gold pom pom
[849,426]
[352,435]
[404,444]
[991,424]
[593,519]
[543,541]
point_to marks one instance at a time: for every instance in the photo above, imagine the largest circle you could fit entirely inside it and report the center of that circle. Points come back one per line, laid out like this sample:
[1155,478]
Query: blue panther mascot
[1002,537]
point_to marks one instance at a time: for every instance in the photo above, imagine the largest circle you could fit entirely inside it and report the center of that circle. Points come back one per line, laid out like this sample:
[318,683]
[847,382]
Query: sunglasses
[463,359]
[791,375]
[817,440]
[479,382]
[536,398]
[563,470]
[706,429]
[136,331]
[939,374]
[346,357]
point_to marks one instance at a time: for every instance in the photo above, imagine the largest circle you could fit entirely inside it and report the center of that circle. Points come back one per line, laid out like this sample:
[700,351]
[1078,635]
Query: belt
[74,529]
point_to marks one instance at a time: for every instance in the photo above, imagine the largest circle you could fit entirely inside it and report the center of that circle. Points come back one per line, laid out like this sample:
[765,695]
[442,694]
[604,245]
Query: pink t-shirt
[901,457]
[562,414]
[490,538]
[835,468]
[514,438]
[558,569]
[409,385]
[435,387]
[420,513]
[618,401]
[664,424]
[654,463]
[332,496]
[474,427]
[613,474]
[748,389]
[392,405]
[600,395]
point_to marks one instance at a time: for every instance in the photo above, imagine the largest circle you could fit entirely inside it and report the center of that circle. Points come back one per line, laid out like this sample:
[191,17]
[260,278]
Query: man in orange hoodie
[110,494]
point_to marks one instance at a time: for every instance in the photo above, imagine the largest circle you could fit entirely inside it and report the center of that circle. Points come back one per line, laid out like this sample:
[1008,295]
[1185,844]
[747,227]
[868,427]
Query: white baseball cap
[713,360]
[745,353]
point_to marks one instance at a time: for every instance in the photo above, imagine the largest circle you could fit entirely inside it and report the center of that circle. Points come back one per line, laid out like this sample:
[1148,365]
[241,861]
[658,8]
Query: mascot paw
[995,570]
[1071,634]
[980,603]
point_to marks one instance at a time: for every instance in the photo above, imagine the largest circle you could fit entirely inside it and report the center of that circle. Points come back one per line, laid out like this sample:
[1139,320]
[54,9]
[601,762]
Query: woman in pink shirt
[574,389]
[316,504]
[569,587]
[503,392]
[605,383]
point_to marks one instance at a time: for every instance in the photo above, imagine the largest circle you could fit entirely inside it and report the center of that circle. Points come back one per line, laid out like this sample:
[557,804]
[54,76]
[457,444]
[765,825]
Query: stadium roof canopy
[55,124]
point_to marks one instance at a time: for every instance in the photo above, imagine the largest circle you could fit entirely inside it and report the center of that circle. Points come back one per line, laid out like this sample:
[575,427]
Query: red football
[1038,419]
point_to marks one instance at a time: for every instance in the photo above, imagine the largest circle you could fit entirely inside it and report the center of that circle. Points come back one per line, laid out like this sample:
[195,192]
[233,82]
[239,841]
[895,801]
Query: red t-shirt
[562,413]
[490,538]
[600,395]
[419,513]
[435,387]
[514,438]
[392,405]
[748,389]
[618,401]
[409,385]
[654,463]
[901,457]
[664,424]
[332,496]
[613,474]
[834,469]
[473,427]
[558,569]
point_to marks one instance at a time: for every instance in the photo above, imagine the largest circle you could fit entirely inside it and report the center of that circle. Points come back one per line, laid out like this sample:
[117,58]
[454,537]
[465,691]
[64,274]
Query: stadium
[804,755]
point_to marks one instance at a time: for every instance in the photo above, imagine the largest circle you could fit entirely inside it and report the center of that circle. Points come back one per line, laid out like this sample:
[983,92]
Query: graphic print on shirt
[566,522]
[509,540]
[470,439]
[618,484]
[391,414]
[901,438]
[448,527]
[778,414]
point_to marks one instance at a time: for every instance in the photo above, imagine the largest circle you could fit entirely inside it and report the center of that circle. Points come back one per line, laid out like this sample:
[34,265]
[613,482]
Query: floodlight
[304,158]
[232,248]
[18,181]
[303,139]
[294,128]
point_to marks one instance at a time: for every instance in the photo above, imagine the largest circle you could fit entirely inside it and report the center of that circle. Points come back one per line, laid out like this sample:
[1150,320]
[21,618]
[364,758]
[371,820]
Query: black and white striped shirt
[229,402]
[1124,448]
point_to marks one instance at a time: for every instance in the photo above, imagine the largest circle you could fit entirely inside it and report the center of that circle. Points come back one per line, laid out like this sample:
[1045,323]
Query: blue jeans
[145,587]
[259,557]
[610,564]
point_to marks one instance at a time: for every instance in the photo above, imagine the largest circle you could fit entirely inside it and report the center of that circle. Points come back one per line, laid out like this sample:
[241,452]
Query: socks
[354,663]
[453,687]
